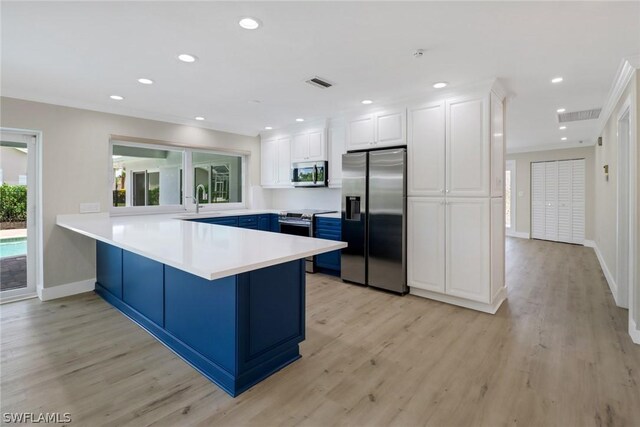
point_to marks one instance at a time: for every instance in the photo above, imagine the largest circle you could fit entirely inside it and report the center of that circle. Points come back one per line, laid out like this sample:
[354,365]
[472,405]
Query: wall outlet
[92,207]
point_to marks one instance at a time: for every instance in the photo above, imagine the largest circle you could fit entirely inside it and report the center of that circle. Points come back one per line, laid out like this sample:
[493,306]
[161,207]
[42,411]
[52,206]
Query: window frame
[188,203]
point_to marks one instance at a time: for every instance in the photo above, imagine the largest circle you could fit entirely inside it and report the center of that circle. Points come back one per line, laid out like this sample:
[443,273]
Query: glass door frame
[33,141]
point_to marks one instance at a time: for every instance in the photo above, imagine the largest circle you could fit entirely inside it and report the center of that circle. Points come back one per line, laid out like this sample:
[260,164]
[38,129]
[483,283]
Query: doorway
[623,216]
[20,238]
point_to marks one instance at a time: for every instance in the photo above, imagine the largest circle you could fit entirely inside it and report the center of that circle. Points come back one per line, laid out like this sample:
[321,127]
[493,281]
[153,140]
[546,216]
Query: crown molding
[625,73]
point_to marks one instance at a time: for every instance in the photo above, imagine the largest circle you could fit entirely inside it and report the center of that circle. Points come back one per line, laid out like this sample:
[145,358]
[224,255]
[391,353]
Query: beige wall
[74,169]
[523,184]
[13,164]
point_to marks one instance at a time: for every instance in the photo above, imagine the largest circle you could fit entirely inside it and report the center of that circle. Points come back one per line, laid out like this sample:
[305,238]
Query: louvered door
[558,200]
[537,201]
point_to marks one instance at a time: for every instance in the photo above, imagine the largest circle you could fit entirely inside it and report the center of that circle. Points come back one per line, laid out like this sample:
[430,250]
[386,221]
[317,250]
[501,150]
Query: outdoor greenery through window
[150,175]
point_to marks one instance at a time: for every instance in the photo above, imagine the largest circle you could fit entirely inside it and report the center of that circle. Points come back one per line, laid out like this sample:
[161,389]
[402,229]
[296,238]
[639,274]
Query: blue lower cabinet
[248,221]
[236,331]
[196,307]
[109,268]
[330,229]
[143,286]
[231,221]
[264,222]
[275,225]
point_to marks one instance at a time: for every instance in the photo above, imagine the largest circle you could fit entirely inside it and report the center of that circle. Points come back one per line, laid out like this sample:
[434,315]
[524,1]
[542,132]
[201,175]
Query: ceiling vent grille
[318,82]
[575,116]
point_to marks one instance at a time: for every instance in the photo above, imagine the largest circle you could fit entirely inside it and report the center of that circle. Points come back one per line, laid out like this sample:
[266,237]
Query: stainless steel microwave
[310,174]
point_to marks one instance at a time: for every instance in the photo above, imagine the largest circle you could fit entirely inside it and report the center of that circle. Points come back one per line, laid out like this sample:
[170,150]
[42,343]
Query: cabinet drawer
[329,235]
[230,221]
[248,221]
[329,260]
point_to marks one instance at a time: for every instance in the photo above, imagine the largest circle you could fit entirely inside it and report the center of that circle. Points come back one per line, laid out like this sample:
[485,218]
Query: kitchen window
[149,177]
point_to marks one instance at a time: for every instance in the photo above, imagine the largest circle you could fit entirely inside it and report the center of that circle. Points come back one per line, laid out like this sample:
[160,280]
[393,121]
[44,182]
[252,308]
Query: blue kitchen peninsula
[229,301]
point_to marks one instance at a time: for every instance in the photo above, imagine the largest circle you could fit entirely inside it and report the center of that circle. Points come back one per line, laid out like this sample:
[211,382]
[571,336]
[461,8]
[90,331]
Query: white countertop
[206,250]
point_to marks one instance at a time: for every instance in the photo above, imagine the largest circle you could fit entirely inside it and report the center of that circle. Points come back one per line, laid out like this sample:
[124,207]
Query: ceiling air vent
[575,116]
[318,82]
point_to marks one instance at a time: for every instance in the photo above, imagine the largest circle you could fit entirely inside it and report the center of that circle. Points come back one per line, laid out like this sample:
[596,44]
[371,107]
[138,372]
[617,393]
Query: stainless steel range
[300,223]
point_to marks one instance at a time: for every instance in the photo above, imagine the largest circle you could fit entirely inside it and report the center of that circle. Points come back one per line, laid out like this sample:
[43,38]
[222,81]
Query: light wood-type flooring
[557,353]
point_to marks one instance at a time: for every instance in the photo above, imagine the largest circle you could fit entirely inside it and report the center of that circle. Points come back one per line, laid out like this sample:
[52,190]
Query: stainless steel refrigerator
[374,205]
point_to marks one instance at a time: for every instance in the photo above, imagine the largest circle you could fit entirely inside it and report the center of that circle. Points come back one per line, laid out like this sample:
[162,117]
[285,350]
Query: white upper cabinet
[337,137]
[309,146]
[497,146]
[390,128]
[468,147]
[381,129]
[268,162]
[284,162]
[361,132]
[275,162]
[426,150]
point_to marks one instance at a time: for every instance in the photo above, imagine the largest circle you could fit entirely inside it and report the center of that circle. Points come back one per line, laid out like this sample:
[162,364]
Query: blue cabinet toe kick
[236,331]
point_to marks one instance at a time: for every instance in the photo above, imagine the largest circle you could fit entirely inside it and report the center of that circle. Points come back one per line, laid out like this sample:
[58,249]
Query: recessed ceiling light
[249,23]
[367,101]
[268,128]
[562,127]
[185,57]
[299,120]
[145,81]
[199,118]
[564,138]
[561,110]
[440,85]
[117,97]
[556,79]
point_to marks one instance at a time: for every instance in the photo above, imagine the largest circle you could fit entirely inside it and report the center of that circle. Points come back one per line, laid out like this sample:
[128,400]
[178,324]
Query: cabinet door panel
[300,148]
[426,243]
[390,128]
[468,147]
[337,136]
[284,162]
[268,161]
[497,245]
[426,150]
[316,150]
[468,248]
[360,132]
[497,147]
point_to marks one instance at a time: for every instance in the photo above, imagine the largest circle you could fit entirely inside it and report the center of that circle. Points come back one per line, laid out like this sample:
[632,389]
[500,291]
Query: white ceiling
[78,54]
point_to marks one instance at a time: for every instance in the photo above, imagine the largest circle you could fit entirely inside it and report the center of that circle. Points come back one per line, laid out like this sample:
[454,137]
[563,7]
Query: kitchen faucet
[195,198]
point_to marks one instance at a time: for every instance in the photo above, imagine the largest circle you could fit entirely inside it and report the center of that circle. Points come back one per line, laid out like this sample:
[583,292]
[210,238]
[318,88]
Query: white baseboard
[519,234]
[473,305]
[634,331]
[607,273]
[589,243]
[68,289]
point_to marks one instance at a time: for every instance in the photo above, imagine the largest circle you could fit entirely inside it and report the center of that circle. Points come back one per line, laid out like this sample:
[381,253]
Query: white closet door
[577,200]
[565,216]
[551,201]
[537,201]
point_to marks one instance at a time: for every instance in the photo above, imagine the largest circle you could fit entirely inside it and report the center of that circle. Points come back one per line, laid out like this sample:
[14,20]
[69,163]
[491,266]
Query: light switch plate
[92,207]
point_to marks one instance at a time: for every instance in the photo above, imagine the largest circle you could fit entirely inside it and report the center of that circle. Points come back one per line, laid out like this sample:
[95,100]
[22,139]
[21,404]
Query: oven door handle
[296,223]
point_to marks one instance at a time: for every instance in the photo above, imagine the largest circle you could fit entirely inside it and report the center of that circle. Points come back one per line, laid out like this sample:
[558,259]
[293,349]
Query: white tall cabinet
[455,207]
